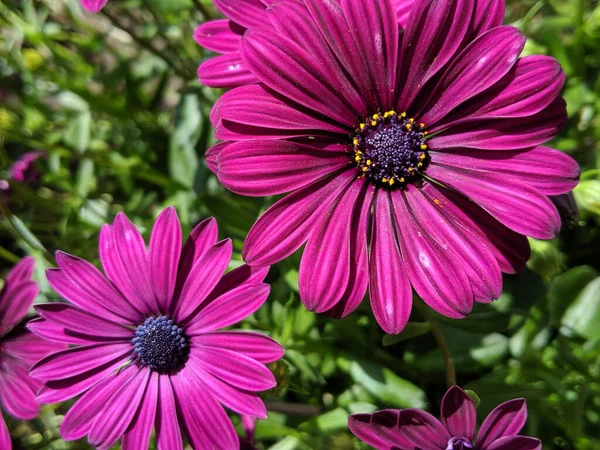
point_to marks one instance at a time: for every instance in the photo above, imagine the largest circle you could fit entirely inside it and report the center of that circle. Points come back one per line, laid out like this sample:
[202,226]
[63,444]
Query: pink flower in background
[249,426]
[224,36]
[412,158]
[147,351]
[19,348]
[413,429]
[93,6]
[24,169]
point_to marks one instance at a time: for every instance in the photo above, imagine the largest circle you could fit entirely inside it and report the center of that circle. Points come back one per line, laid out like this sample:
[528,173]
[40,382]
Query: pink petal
[248,13]
[458,413]
[361,426]
[506,419]
[5,440]
[22,271]
[225,71]
[18,398]
[385,424]
[221,36]
[137,436]
[168,435]
[93,6]
[516,443]
[254,345]
[53,332]
[422,429]
[16,303]
[488,14]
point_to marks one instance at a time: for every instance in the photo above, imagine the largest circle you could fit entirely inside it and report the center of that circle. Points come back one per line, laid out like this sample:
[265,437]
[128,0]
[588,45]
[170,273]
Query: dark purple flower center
[160,344]
[390,149]
[459,443]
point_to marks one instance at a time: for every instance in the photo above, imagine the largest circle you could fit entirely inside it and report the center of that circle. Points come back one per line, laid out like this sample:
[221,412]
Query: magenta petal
[22,271]
[18,397]
[163,256]
[290,70]
[254,345]
[117,414]
[203,277]
[488,14]
[325,265]
[240,401]
[262,168]
[236,369]
[506,419]
[5,440]
[286,225]
[385,424]
[432,270]
[422,430]
[16,303]
[259,107]
[466,250]
[221,36]
[362,427]
[84,286]
[168,435]
[389,287]
[80,321]
[93,6]
[436,29]
[137,436]
[81,415]
[74,361]
[212,154]
[248,13]
[403,8]
[57,333]
[229,308]
[515,443]
[510,249]
[480,65]
[242,275]
[458,413]
[28,347]
[505,134]
[202,237]
[206,423]
[225,71]
[520,207]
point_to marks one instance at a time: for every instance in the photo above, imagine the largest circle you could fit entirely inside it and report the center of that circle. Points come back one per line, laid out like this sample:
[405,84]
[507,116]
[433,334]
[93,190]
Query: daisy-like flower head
[413,157]
[146,347]
[414,429]
[94,6]
[224,36]
[19,348]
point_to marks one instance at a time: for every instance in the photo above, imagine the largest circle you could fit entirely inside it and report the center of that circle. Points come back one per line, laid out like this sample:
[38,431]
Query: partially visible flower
[24,169]
[567,208]
[249,426]
[93,6]
[19,348]
[414,429]
[224,36]
[147,350]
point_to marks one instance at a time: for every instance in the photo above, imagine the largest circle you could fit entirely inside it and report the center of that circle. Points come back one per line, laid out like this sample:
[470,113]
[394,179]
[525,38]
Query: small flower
[249,426]
[19,348]
[93,6]
[24,170]
[411,159]
[224,36]
[147,350]
[414,429]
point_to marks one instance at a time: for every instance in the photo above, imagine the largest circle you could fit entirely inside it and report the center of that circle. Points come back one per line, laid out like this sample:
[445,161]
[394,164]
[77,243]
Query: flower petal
[520,207]
[242,275]
[515,443]
[458,413]
[226,71]
[436,30]
[93,6]
[262,168]
[488,14]
[506,419]
[221,36]
[168,434]
[137,436]
[286,225]
[389,287]
[22,271]
[362,427]
[422,429]
[18,397]
[229,308]
[248,13]
[163,256]
[5,440]
[16,303]
[385,424]
[254,345]
[59,334]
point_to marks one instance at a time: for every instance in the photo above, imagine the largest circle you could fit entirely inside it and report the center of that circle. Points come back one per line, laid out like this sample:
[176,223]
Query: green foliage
[113,102]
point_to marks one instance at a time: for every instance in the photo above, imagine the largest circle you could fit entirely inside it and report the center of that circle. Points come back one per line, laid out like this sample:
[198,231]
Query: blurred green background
[113,102]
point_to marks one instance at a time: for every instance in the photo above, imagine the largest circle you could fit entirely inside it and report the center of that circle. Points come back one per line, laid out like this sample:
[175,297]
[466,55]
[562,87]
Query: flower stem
[440,339]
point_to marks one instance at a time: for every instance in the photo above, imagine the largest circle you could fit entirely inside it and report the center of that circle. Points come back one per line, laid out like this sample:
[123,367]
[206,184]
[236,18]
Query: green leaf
[411,330]
[77,135]
[583,316]
[183,159]
[564,289]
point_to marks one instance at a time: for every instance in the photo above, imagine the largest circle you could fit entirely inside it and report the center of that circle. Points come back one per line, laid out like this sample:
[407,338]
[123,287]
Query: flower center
[160,344]
[390,149]
[459,443]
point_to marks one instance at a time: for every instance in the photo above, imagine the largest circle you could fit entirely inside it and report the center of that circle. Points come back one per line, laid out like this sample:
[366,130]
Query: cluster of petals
[414,429]
[313,73]
[165,286]
[19,348]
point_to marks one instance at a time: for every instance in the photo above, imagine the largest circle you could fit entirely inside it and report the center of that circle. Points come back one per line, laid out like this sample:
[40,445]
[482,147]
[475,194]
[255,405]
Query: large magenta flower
[147,351]
[225,36]
[19,348]
[413,429]
[414,157]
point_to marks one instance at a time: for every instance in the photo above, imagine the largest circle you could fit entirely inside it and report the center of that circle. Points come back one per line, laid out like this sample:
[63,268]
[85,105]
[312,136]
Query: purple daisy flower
[93,6]
[224,36]
[24,169]
[147,350]
[413,157]
[414,429]
[19,348]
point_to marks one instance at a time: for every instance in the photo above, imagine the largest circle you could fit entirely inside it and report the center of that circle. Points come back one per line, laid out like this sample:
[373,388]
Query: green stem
[440,339]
